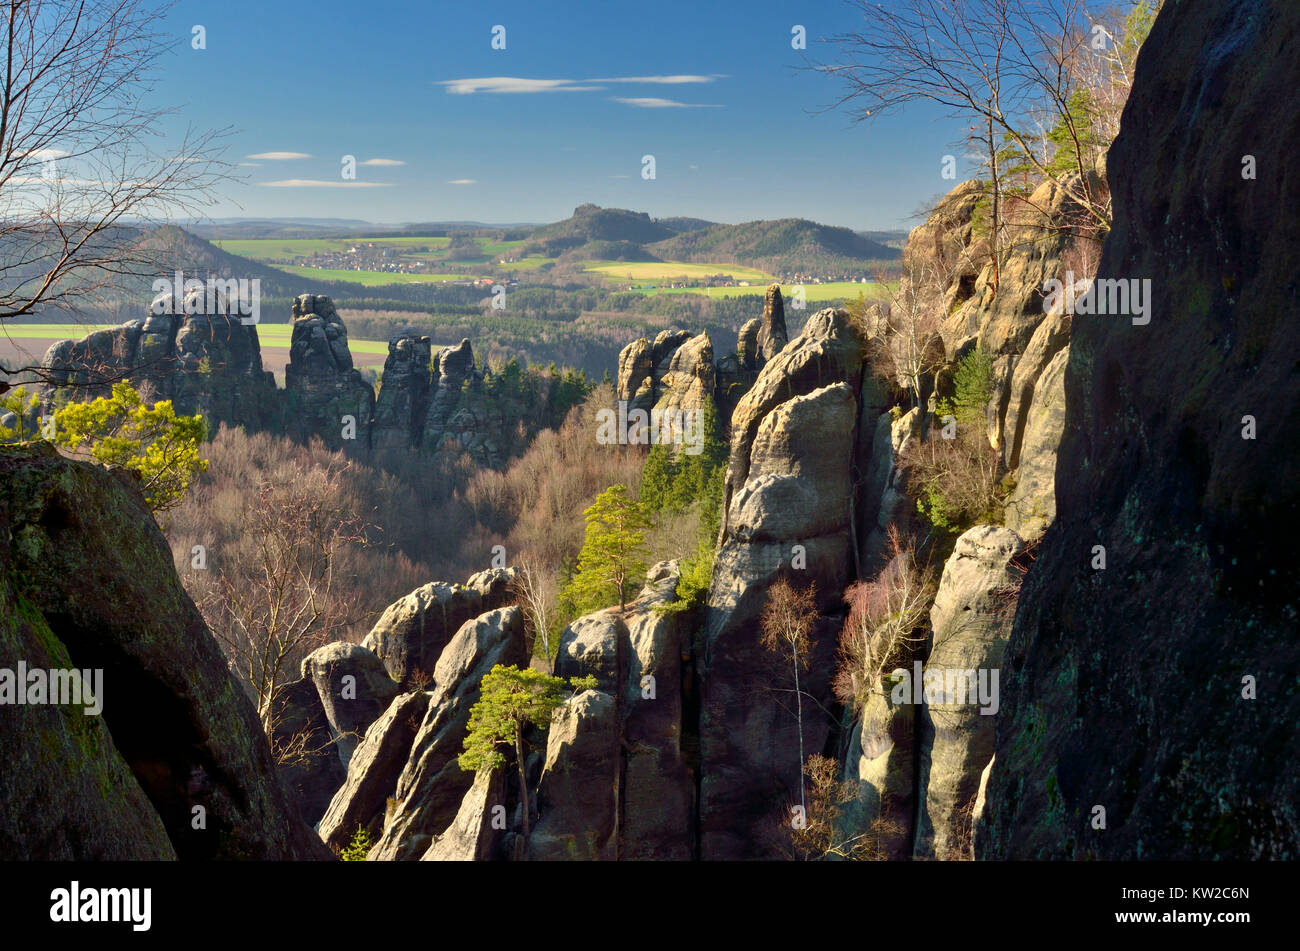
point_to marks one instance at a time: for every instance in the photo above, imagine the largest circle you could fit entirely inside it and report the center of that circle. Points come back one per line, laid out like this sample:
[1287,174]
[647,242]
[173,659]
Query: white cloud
[516,84]
[652,102]
[249,164]
[659,80]
[463,181]
[382,161]
[278,156]
[512,84]
[46,153]
[317,183]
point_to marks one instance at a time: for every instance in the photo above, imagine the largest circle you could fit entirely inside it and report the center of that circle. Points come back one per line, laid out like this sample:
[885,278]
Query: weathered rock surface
[689,381]
[772,335]
[204,363]
[354,689]
[476,834]
[578,798]
[373,771]
[1126,687]
[788,501]
[410,635]
[637,660]
[403,398]
[432,784]
[1032,504]
[970,622]
[325,395]
[79,545]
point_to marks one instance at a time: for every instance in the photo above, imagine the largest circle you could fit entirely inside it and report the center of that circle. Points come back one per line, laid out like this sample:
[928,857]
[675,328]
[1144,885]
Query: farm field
[667,270]
[819,293]
[368,278]
[277,249]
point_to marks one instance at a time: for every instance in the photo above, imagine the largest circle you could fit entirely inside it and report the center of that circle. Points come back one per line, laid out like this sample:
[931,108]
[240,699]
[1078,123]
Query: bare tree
[281,595]
[535,589]
[905,329]
[787,621]
[993,61]
[885,623]
[79,172]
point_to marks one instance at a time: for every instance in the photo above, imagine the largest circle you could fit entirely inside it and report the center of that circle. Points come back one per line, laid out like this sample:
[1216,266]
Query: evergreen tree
[510,700]
[612,556]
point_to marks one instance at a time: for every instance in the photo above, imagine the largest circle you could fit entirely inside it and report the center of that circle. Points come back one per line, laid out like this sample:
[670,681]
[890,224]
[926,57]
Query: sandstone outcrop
[325,395]
[787,507]
[87,582]
[411,634]
[354,689]
[432,784]
[970,622]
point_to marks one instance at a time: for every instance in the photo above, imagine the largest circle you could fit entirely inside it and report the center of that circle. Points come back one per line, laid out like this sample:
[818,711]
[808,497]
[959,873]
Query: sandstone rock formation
[616,782]
[475,835]
[325,395]
[177,738]
[970,622]
[354,689]
[373,771]
[411,634]
[578,797]
[403,398]
[432,784]
[204,363]
[1128,688]
[787,507]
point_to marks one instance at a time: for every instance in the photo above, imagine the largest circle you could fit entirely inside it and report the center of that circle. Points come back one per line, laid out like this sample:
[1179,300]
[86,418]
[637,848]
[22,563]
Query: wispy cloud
[317,183]
[46,153]
[249,164]
[278,156]
[516,84]
[512,84]
[660,80]
[463,181]
[653,102]
[383,161]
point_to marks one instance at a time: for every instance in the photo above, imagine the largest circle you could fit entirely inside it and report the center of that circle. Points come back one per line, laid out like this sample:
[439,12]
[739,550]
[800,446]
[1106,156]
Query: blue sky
[330,78]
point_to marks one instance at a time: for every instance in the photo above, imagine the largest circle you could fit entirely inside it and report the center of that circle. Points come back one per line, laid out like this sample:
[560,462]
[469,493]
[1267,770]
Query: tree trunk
[523,777]
[798,701]
[997,205]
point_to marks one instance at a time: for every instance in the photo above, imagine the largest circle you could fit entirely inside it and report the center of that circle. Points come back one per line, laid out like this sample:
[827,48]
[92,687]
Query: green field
[668,270]
[840,290]
[523,264]
[368,278]
[270,335]
[277,249]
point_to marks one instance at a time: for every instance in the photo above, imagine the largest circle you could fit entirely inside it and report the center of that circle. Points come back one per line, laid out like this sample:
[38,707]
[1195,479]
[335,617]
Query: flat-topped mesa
[198,355]
[325,395]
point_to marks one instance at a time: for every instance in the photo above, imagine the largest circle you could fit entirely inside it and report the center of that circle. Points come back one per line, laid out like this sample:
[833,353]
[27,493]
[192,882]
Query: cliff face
[174,764]
[1150,705]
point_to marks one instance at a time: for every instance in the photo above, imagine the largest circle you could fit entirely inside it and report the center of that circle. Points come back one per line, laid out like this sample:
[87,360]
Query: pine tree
[509,701]
[612,556]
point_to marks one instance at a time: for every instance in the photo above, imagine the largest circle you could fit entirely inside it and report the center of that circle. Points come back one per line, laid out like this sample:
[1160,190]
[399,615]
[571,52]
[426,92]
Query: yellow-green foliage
[359,847]
[19,403]
[509,700]
[121,432]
